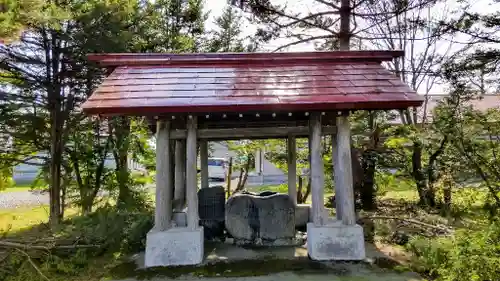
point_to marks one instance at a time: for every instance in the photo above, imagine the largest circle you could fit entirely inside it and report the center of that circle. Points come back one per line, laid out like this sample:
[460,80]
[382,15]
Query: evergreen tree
[45,77]
[17,15]
[228,36]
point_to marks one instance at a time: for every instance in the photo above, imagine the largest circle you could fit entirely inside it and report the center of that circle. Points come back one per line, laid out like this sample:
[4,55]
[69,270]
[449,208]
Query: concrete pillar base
[180,219]
[335,241]
[176,246]
[302,215]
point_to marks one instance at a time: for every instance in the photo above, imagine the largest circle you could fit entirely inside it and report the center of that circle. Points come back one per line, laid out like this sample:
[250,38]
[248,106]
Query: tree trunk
[300,198]
[307,192]
[447,196]
[242,180]
[303,194]
[86,206]
[67,178]
[120,153]
[369,166]
[367,190]
[345,25]
[55,164]
[426,193]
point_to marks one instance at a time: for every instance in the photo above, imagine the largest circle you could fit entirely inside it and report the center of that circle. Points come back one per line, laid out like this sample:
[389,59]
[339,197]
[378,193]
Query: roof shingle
[147,85]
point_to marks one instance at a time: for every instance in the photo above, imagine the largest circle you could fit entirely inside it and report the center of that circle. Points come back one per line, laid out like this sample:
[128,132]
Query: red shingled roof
[147,84]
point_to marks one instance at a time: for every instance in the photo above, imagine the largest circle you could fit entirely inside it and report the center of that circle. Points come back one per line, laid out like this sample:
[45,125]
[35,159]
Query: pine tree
[17,15]
[45,76]
[228,36]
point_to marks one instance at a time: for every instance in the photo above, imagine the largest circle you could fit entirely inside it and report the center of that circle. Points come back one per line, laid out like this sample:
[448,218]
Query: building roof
[156,84]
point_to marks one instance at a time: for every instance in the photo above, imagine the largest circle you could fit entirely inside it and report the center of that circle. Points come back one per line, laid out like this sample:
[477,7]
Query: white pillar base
[302,215]
[176,246]
[180,219]
[335,241]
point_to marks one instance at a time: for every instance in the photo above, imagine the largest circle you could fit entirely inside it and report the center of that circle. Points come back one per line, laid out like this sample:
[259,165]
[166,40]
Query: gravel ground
[15,199]
[363,275]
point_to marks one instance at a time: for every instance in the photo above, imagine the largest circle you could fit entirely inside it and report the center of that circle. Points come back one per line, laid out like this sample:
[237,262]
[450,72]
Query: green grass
[407,195]
[282,188]
[398,189]
[16,189]
[14,220]
[24,187]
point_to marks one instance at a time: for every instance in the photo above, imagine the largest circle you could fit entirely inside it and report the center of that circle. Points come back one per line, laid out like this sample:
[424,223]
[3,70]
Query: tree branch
[302,41]
[33,264]
[441,228]
[21,246]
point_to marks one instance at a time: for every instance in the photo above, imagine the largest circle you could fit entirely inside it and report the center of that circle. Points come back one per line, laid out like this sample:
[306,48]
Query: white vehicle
[217,169]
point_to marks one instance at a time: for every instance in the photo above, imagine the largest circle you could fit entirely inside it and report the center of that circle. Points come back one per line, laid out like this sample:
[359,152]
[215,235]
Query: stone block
[302,215]
[180,219]
[335,242]
[176,246]
[211,210]
[257,219]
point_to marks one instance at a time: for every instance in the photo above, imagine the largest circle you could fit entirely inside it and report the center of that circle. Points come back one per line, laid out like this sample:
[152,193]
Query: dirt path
[361,275]
[14,199]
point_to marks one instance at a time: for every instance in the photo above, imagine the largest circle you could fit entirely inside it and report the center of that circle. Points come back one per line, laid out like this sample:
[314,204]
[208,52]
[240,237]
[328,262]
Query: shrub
[123,231]
[6,180]
[118,233]
[469,255]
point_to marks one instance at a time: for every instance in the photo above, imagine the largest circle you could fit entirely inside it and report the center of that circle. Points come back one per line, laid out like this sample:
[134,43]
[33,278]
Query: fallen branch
[442,228]
[7,244]
[33,264]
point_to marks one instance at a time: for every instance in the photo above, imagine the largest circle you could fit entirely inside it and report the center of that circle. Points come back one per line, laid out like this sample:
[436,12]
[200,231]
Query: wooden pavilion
[197,98]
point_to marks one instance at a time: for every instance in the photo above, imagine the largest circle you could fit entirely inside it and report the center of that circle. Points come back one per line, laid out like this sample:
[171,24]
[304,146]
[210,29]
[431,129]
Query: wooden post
[292,169]
[317,170]
[344,175]
[180,175]
[336,183]
[229,176]
[164,186]
[204,163]
[191,174]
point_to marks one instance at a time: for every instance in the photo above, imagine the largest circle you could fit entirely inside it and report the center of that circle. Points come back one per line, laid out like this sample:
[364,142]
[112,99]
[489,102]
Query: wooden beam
[180,175]
[164,185]
[344,173]
[191,174]
[317,170]
[251,133]
[204,163]
[292,169]
[336,182]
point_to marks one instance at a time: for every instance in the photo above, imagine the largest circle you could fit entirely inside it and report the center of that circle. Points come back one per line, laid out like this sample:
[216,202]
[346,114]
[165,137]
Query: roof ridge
[125,59]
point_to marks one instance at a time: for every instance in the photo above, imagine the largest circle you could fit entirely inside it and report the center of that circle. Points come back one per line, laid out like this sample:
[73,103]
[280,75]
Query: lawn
[15,220]
[23,187]
[17,189]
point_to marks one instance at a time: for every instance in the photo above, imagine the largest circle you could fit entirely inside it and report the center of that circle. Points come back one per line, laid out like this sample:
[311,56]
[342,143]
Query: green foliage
[228,35]
[18,15]
[48,77]
[6,180]
[282,188]
[473,135]
[174,26]
[469,255]
[117,233]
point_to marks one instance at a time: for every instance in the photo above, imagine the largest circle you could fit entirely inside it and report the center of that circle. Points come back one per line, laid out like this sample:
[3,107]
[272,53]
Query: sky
[215,7]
